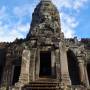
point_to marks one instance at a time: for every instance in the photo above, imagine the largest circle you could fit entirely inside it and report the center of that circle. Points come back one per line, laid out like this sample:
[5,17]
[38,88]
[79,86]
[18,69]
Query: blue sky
[16,15]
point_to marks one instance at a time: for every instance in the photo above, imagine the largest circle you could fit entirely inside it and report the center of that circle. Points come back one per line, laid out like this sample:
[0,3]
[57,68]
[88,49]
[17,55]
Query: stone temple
[45,60]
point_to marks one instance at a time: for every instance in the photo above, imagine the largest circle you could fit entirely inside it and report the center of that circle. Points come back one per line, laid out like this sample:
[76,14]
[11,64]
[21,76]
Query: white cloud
[79,4]
[68,25]
[62,3]
[23,28]
[10,33]
[10,30]
[18,29]
[70,4]
[24,10]
[68,21]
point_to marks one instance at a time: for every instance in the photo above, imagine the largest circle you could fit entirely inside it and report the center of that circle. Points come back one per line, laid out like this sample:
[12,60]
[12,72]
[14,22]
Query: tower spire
[45,18]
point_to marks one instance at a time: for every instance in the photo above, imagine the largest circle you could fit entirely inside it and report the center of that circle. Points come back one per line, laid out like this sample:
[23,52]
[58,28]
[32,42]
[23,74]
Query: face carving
[46,17]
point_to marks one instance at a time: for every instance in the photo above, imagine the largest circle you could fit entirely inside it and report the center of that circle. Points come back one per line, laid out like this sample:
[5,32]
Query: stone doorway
[88,72]
[16,74]
[73,68]
[1,71]
[45,64]
[2,62]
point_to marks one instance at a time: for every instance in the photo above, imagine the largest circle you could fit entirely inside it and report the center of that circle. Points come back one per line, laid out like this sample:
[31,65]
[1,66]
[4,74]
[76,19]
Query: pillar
[53,63]
[64,65]
[57,60]
[82,71]
[24,76]
[37,63]
[86,77]
[12,71]
[6,79]
[32,64]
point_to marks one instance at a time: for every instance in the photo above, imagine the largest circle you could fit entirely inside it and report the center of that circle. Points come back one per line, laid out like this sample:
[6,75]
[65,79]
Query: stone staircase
[49,84]
[42,84]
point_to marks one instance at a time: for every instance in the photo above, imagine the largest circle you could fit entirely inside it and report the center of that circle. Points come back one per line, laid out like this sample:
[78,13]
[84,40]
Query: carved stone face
[45,19]
[46,16]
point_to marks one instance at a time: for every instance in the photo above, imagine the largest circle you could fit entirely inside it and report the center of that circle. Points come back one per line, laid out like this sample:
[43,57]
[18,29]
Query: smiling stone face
[45,18]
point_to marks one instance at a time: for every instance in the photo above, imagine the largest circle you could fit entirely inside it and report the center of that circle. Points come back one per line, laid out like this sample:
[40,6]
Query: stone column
[32,65]
[82,70]
[53,63]
[37,63]
[24,76]
[10,79]
[6,79]
[65,78]
[86,77]
[12,71]
[57,60]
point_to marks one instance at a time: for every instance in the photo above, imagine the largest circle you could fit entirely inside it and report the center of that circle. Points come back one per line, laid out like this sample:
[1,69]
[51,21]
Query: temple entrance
[45,64]
[73,68]
[17,70]
[2,62]
[88,71]
[1,73]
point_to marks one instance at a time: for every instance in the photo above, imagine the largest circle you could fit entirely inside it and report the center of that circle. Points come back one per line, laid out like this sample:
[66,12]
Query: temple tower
[45,19]
[45,60]
[47,52]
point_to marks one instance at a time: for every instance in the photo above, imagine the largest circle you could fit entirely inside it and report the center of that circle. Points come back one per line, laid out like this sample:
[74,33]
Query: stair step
[42,84]
[38,88]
